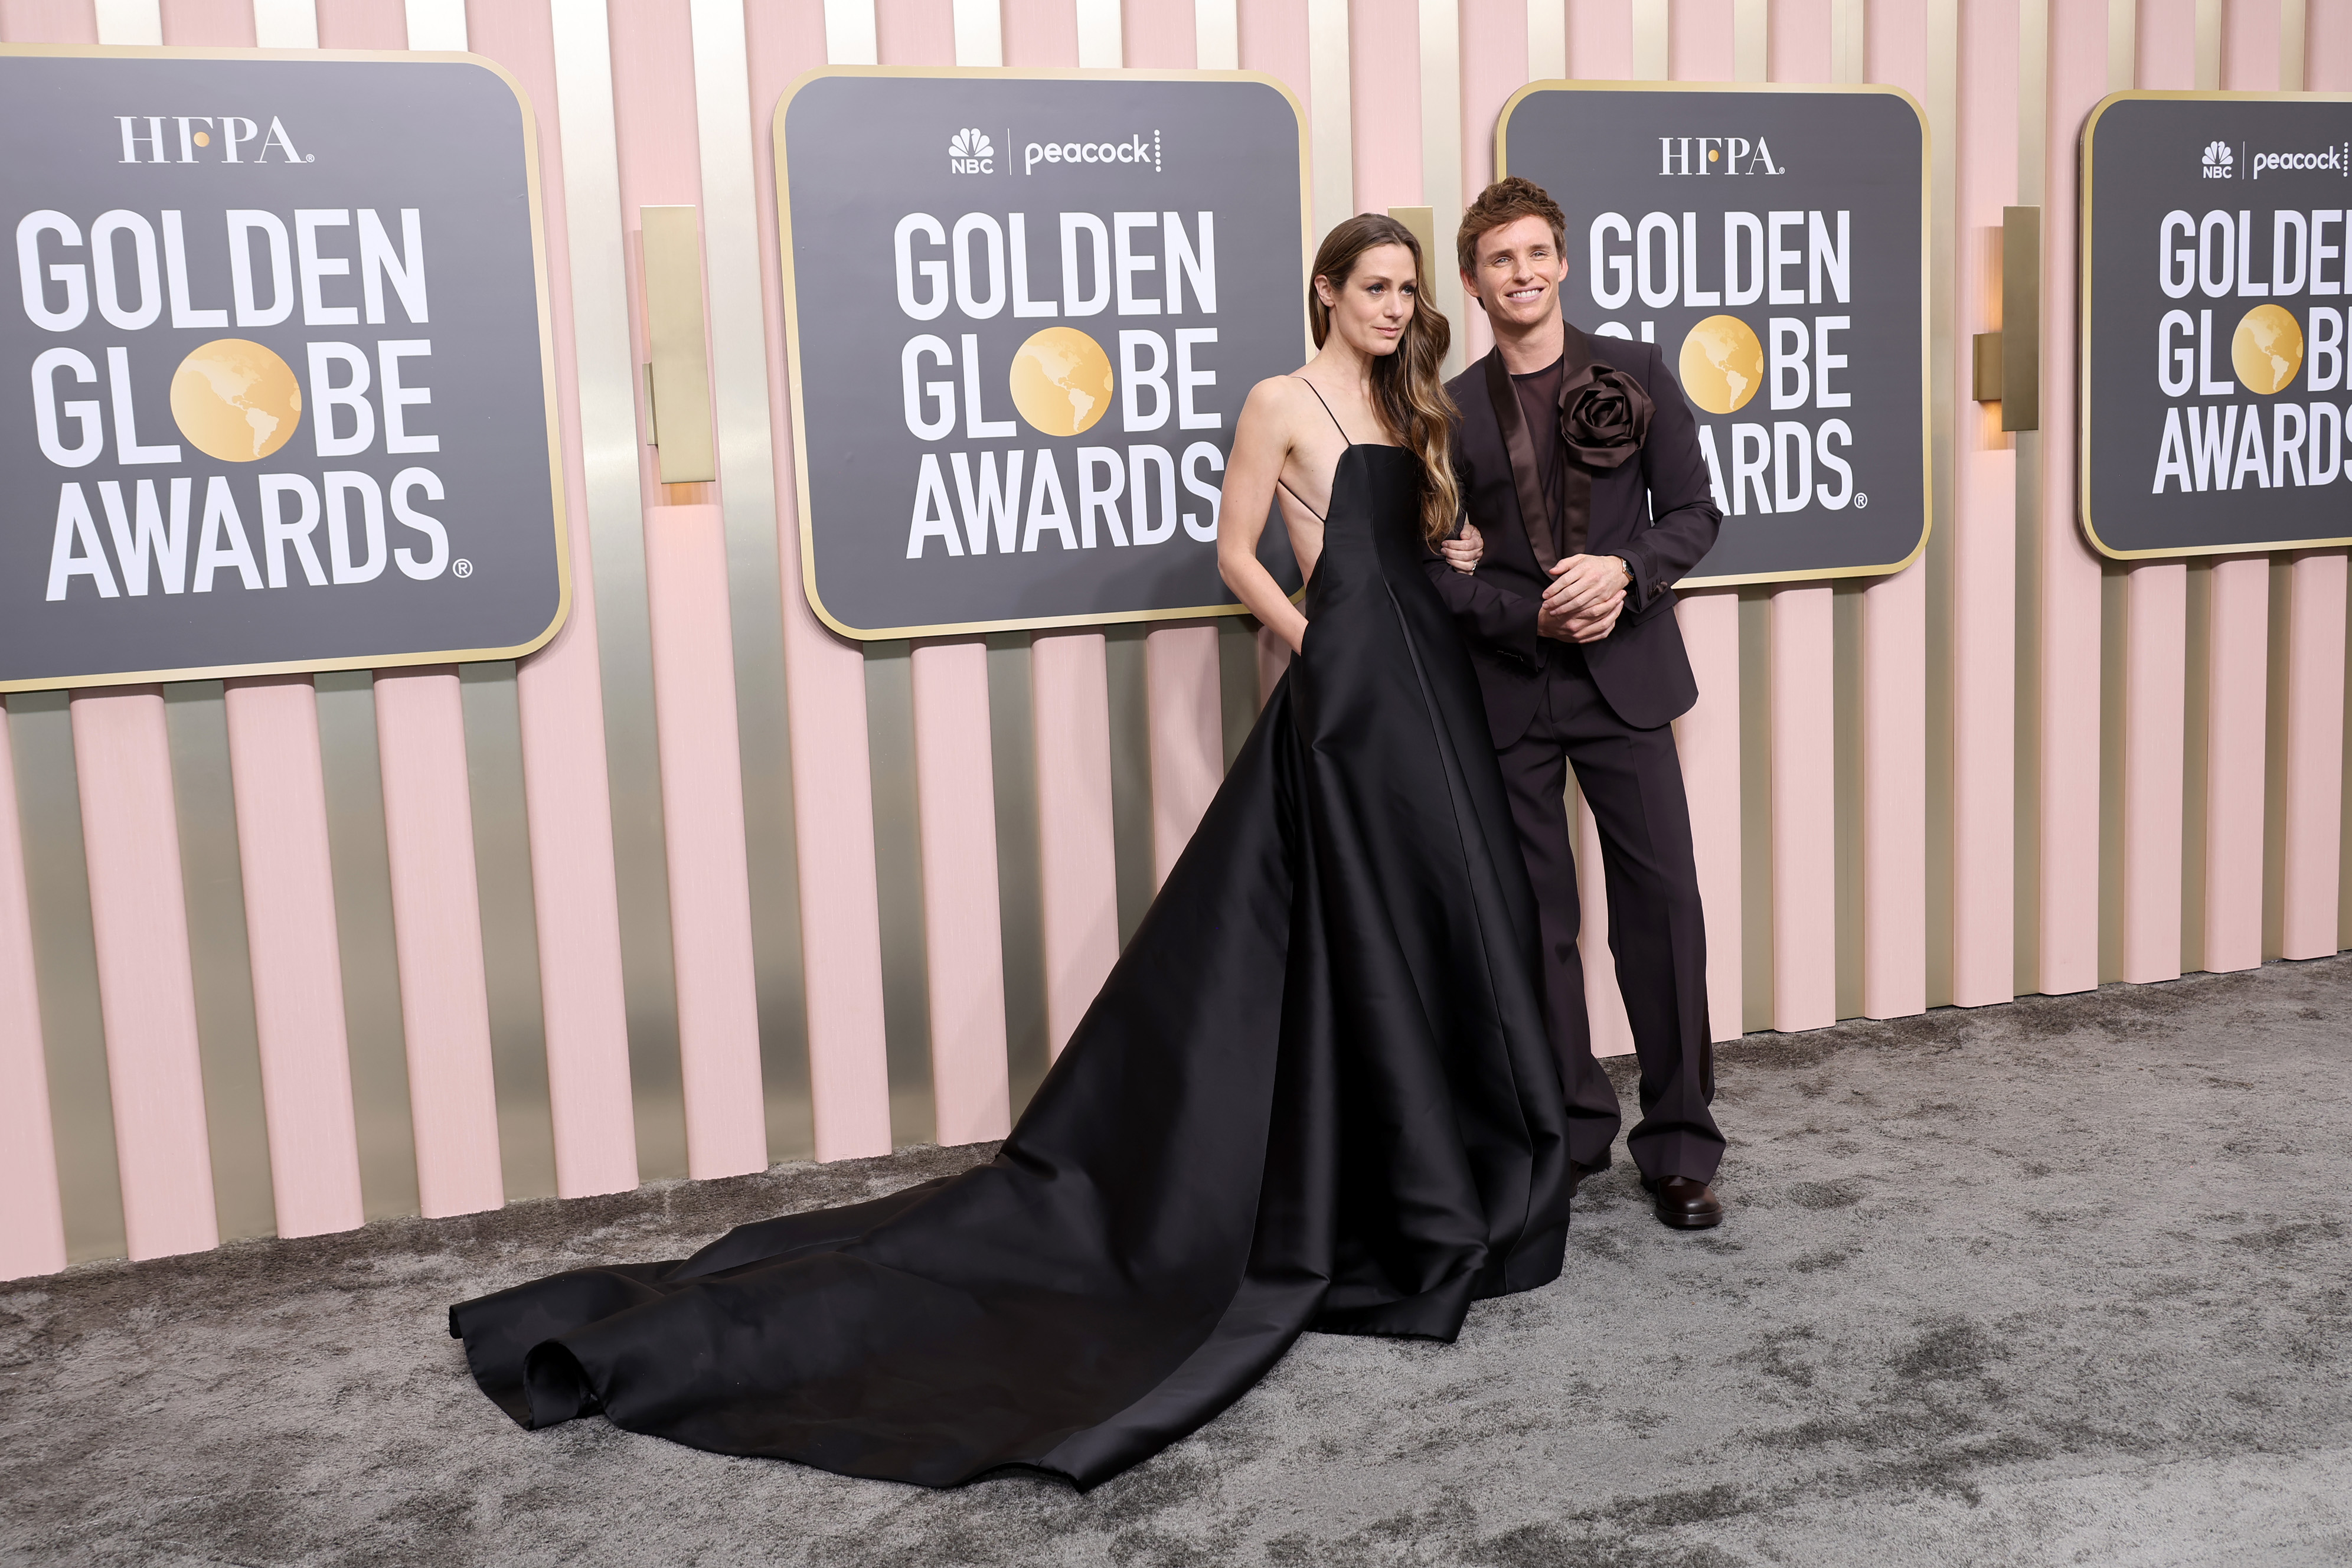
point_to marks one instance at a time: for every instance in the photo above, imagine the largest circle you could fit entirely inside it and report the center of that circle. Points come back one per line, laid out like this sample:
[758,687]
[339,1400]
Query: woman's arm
[1261,446]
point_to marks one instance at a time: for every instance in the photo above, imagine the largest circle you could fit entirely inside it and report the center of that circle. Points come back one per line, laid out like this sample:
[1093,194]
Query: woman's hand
[1463,551]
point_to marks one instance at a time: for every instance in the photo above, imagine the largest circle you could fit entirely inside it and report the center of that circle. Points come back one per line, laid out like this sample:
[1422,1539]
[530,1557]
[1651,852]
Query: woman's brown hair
[1406,390]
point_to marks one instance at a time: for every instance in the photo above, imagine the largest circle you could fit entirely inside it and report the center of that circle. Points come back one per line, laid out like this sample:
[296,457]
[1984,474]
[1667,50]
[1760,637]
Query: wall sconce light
[2008,364]
[678,382]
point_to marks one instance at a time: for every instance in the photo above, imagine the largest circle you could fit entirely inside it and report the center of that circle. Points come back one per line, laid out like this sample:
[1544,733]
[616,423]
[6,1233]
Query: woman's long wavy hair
[1406,388]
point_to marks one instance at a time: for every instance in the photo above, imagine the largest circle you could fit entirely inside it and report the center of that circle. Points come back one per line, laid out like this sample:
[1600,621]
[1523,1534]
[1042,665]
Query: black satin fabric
[1315,1093]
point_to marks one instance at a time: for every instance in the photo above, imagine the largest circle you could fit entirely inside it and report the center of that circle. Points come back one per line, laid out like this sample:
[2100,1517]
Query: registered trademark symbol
[1860,501]
[462,568]
[310,157]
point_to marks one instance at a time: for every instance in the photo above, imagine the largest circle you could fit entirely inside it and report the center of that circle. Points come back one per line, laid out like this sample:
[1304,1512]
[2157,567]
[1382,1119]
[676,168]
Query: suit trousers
[1632,781]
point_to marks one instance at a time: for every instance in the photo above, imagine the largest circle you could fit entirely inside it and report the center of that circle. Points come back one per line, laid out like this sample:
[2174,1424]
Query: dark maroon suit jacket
[1658,511]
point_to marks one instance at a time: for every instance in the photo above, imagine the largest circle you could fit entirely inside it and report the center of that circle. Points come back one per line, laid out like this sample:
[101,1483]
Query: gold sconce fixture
[678,381]
[2007,365]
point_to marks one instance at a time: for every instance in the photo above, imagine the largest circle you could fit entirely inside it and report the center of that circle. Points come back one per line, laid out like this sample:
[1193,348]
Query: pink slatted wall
[2010,767]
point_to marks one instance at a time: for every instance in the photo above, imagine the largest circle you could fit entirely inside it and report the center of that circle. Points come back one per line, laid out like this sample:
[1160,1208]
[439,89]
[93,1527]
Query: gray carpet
[2059,1282]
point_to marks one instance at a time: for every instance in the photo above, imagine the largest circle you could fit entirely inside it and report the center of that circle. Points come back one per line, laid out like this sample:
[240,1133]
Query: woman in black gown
[1315,1092]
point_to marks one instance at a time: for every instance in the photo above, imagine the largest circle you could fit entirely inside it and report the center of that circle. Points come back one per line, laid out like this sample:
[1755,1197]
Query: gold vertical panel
[1649,40]
[493,719]
[1130,690]
[1101,41]
[1216,35]
[1423,221]
[980,32]
[681,363]
[609,451]
[898,891]
[129,21]
[2114,689]
[353,779]
[1020,900]
[1237,701]
[1547,39]
[1942,107]
[1751,41]
[212,881]
[64,966]
[738,379]
[1846,615]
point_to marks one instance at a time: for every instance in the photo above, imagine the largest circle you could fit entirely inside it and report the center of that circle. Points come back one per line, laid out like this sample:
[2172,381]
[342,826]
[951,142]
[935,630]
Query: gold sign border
[546,371]
[2082,389]
[1926,315]
[792,332]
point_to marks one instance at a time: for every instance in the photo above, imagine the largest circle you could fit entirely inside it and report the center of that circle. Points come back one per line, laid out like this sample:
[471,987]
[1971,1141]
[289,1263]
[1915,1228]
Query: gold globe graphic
[2267,349]
[235,401]
[1061,381]
[1722,364]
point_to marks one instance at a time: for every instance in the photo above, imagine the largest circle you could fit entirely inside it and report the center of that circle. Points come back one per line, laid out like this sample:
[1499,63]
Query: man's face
[1518,274]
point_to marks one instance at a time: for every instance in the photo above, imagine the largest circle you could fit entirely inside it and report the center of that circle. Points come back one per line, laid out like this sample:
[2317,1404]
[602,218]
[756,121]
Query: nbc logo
[971,152]
[2218,161]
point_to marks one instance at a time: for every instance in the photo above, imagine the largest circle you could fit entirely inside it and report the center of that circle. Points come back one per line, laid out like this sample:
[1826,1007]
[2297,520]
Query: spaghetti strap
[1301,499]
[1327,408]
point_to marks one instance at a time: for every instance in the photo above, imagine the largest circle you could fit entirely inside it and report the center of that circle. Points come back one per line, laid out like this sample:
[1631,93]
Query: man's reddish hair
[1507,200]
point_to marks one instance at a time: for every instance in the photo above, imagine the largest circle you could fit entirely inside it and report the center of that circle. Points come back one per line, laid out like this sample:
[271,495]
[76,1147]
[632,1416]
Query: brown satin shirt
[1540,407]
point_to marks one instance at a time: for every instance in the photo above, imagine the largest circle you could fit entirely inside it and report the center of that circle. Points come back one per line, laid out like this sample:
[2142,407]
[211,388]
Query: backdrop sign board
[1772,241]
[1025,310]
[2217,231]
[276,383]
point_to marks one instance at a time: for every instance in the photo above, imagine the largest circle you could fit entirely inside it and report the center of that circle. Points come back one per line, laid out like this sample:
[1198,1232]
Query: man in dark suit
[1580,464]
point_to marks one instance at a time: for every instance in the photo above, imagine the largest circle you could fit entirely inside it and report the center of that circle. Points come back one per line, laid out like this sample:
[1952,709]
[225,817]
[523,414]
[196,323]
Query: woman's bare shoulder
[1277,404]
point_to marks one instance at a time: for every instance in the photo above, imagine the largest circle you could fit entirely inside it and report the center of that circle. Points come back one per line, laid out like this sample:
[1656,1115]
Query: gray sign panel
[1772,242]
[2216,229]
[275,391]
[1025,312]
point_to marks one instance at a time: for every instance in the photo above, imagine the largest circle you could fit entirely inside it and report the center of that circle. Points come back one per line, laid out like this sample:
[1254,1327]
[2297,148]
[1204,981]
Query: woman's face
[1371,309]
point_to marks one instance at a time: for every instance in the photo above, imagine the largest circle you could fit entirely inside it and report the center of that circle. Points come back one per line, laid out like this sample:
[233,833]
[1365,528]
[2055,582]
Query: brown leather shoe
[1684,1204]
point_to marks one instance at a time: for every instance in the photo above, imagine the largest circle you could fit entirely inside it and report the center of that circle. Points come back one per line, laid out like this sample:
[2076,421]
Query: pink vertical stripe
[1804,809]
[2156,635]
[1159,35]
[915,32]
[702,833]
[2156,608]
[1699,40]
[1272,34]
[1599,39]
[208,23]
[1984,547]
[1384,101]
[824,690]
[1803,767]
[48,21]
[32,1225]
[1797,40]
[2313,795]
[963,938]
[1708,737]
[2164,45]
[566,789]
[298,977]
[428,823]
[1042,33]
[1070,707]
[1895,672]
[2237,673]
[1188,737]
[2250,46]
[2237,684]
[1494,67]
[693,668]
[2327,45]
[2067,900]
[1605,1005]
[139,917]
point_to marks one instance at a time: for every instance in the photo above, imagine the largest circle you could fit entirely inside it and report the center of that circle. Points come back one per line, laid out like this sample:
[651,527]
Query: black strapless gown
[1315,1093]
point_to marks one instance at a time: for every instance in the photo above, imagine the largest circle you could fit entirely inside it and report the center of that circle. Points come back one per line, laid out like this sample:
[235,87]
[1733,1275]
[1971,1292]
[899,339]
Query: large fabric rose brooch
[1605,421]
